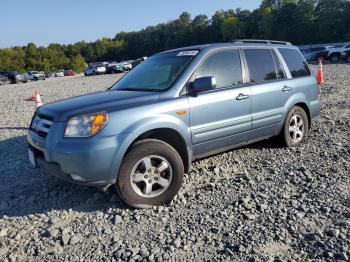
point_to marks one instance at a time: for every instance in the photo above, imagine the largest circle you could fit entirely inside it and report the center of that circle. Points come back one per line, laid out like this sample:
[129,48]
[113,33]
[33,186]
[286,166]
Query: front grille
[41,124]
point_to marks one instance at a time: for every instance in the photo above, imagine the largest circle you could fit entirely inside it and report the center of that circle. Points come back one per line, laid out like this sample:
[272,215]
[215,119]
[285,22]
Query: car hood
[106,101]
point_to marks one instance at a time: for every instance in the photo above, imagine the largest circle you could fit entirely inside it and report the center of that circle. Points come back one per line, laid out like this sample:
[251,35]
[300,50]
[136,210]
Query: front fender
[148,124]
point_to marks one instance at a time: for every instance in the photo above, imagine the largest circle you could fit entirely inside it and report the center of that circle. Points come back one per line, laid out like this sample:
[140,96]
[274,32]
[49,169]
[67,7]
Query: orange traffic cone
[38,98]
[319,76]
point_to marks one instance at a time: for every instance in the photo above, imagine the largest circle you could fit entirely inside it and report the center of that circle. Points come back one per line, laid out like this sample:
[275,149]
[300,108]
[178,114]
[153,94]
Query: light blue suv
[142,134]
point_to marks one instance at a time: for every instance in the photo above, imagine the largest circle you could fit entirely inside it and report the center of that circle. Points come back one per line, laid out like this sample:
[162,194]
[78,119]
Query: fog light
[77,178]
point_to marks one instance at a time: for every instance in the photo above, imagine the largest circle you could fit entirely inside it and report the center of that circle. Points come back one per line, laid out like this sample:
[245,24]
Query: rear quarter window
[295,62]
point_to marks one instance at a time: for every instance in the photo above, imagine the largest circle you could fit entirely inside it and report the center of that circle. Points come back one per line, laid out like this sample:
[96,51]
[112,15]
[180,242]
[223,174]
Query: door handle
[242,96]
[287,88]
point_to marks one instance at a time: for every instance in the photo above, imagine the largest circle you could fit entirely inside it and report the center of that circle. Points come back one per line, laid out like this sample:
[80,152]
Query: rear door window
[260,64]
[225,66]
[295,62]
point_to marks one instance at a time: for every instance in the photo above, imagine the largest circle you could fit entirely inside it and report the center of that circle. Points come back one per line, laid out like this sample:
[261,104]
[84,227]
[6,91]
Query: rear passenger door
[220,118]
[270,91]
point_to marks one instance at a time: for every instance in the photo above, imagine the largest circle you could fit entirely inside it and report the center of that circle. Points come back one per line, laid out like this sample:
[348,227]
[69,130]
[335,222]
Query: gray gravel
[261,202]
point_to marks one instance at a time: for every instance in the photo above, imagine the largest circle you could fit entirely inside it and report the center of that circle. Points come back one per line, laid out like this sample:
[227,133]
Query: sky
[68,21]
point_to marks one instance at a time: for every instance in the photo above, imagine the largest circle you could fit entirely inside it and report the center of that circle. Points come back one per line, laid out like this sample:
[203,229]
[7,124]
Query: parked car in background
[49,74]
[346,56]
[336,53]
[15,77]
[89,71]
[3,79]
[36,75]
[59,73]
[96,69]
[115,67]
[100,69]
[138,61]
[69,72]
[142,134]
[127,66]
[316,53]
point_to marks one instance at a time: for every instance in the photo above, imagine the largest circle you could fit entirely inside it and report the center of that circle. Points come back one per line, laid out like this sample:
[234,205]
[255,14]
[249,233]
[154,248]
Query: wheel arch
[306,108]
[169,136]
[298,99]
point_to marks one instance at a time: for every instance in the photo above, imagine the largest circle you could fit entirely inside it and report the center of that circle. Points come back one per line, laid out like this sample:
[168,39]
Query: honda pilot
[142,134]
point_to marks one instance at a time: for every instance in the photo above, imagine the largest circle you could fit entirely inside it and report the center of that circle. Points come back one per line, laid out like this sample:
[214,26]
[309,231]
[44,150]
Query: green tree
[77,63]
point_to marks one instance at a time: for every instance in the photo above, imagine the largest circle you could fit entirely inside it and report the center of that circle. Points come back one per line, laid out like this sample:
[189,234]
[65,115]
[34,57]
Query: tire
[134,178]
[335,58]
[348,59]
[290,136]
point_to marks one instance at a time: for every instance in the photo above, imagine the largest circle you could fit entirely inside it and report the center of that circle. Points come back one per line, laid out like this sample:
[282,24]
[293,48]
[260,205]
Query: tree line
[296,21]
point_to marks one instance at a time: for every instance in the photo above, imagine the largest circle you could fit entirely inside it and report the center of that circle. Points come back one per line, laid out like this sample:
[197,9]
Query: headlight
[85,125]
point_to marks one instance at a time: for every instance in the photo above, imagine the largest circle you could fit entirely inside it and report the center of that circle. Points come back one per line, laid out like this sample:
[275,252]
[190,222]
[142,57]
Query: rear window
[260,64]
[295,62]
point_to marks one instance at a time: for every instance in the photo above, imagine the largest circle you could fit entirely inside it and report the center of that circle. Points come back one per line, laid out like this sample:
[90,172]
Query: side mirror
[203,84]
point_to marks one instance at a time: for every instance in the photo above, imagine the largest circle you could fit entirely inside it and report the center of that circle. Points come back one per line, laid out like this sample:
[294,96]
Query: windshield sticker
[188,53]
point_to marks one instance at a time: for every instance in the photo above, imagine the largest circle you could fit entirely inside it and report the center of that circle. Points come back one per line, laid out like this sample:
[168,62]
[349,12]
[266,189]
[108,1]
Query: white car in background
[36,75]
[95,70]
[127,66]
[59,73]
[100,69]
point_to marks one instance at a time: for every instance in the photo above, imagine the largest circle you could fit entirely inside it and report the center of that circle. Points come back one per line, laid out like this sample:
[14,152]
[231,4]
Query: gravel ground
[261,202]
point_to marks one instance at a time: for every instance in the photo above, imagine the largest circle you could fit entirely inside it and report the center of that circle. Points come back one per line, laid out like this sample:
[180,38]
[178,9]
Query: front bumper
[93,160]
[55,170]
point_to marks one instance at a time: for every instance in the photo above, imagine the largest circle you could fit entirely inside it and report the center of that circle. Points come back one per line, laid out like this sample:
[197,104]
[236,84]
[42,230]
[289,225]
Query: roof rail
[258,41]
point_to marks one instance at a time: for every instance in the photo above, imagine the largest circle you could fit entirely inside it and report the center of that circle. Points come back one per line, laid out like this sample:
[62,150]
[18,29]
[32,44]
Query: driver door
[220,118]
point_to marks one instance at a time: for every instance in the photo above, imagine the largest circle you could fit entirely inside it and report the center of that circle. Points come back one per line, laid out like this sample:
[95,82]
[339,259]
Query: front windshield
[157,73]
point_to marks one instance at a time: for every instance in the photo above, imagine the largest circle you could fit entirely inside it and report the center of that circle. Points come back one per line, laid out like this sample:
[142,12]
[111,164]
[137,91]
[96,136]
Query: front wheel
[295,128]
[151,174]
[334,59]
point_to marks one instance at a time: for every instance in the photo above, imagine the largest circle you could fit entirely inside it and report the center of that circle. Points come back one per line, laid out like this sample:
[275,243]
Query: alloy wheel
[296,128]
[151,176]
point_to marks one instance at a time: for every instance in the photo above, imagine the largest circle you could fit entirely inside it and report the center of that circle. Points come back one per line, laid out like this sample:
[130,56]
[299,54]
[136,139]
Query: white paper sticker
[188,53]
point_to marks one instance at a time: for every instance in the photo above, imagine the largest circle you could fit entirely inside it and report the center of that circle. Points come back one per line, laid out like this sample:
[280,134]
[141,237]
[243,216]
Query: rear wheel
[151,174]
[295,128]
